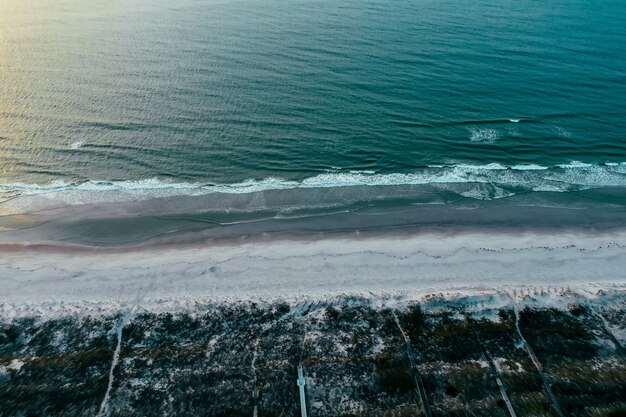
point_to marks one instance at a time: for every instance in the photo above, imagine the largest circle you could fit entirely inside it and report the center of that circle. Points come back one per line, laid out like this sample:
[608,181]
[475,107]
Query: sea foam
[503,180]
[484,135]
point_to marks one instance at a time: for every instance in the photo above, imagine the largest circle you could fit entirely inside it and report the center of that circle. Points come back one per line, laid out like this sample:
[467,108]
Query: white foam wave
[576,164]
[481,194]
[501,180]
[484,135]
[488,167]
[369,172]
[562,132]
[529,167]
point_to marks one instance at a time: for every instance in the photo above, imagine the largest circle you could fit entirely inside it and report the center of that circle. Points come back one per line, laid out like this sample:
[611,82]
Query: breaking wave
[484,135]
[484,182]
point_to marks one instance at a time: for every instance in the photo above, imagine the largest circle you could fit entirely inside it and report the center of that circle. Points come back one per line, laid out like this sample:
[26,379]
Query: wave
[475,122]
[484,135]
[491,181]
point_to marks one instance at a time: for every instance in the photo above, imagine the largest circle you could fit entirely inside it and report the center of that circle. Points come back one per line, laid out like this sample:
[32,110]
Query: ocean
[202,199]
[122,122]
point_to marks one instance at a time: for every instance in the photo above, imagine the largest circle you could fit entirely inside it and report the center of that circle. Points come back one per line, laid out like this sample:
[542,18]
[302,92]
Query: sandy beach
[353,263]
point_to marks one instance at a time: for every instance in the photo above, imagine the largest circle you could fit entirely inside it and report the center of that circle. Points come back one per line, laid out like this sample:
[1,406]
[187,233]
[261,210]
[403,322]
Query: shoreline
[201,239]
[193,221]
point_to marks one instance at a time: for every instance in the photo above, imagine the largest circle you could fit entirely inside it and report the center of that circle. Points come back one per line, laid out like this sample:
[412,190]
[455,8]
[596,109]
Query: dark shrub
[451,390]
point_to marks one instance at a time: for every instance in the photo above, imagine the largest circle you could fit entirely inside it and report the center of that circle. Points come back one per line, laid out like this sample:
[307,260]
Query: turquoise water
[224,91]
[154,98]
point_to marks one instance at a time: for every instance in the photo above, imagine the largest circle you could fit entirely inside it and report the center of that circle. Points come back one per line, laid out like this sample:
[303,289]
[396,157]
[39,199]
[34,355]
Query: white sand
[327,267]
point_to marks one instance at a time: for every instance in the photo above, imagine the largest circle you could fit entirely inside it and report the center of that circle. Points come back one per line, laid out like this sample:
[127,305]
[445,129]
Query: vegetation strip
[419,384]
[533,357]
